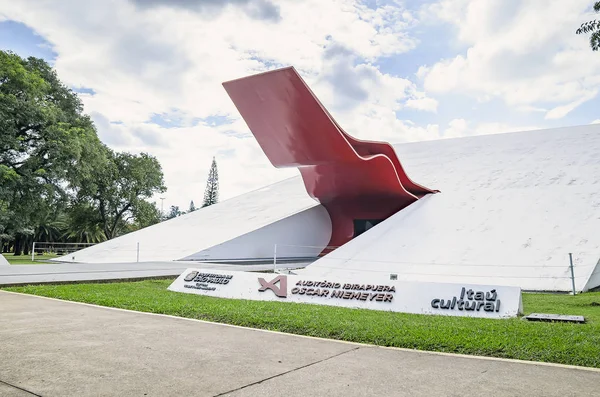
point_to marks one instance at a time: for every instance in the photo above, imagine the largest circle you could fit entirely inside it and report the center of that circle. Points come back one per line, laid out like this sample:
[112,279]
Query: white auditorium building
[508,209]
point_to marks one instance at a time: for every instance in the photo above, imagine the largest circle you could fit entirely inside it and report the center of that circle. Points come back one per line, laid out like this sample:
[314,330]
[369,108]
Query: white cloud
[171,61]
[595,122]
[365,101]
[525,53]
[527,108]
[561,111]
[427,104]
[456,128]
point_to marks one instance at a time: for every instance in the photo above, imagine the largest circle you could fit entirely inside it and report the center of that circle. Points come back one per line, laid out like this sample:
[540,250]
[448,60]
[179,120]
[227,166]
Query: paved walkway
[76,272]
[58,348]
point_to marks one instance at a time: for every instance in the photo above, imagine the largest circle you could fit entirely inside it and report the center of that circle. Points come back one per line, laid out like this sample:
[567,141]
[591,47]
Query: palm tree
[84,225]
[50,228]
[592,27]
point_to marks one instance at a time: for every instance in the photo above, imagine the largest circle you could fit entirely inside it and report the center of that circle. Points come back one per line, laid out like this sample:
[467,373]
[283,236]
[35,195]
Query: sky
[149,72]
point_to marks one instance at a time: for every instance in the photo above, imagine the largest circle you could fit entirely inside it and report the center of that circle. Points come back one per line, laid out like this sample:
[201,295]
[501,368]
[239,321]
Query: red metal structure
[353,179]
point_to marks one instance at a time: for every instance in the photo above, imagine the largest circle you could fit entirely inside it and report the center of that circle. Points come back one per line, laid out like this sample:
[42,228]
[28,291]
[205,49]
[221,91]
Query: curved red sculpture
[352,179]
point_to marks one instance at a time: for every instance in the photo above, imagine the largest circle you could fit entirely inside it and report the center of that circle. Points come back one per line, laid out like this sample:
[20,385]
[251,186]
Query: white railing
[41,248]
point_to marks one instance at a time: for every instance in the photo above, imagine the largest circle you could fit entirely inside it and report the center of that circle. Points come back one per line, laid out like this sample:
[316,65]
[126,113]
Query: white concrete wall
[593,281]
[406,297]
[511,208]
[302,235]
[207,227]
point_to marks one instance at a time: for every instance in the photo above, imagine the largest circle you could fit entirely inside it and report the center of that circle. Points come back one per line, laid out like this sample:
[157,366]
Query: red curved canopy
[352,179]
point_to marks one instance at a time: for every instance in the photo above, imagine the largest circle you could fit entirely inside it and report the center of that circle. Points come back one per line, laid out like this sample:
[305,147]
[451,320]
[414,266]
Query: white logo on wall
[206,281]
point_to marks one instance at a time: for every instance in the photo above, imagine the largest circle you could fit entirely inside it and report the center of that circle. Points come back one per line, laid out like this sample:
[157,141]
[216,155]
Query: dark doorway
[362,225]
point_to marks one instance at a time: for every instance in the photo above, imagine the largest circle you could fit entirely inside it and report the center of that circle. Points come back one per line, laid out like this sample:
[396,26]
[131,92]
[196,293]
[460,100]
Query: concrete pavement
[58,348]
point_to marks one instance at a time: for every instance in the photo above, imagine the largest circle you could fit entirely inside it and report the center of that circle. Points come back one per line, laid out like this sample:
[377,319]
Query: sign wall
[368,292]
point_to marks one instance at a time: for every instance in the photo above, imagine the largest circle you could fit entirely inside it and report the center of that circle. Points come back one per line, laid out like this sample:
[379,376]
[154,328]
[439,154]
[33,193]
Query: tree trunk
[18,245]
[26,245]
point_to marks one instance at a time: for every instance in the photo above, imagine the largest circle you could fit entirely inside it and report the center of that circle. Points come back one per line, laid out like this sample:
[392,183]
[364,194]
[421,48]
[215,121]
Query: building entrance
[362,225]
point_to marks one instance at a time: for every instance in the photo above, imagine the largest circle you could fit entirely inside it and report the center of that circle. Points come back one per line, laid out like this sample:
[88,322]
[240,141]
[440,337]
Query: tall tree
[57,180]
[211,194]
[174,212]
[46,144]
[120,186]
[593,28]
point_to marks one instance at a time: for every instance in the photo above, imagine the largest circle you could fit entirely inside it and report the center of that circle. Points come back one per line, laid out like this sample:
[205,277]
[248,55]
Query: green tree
[211,194]
[593,28]
[145,214]
[192,207]
[84,225]
[174,212]
[118,189]
[47,144]
[54,169]
[51,227]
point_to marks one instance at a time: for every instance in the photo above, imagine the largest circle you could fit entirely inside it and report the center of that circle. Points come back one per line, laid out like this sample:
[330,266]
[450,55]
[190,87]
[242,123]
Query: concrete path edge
[539,363]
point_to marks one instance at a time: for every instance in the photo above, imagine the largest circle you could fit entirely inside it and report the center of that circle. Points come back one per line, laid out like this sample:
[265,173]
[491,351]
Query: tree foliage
[211,194]
[119,187]
[145,214]
[174,212]
[84,225]
[57,180]
[45,143]
[593,29]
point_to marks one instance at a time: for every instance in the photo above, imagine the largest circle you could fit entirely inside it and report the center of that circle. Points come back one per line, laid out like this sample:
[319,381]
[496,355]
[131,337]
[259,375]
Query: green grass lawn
[574,344]
[26,259]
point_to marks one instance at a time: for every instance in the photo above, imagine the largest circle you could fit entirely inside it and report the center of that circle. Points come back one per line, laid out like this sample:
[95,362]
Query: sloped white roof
[207,227]
[511,208]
